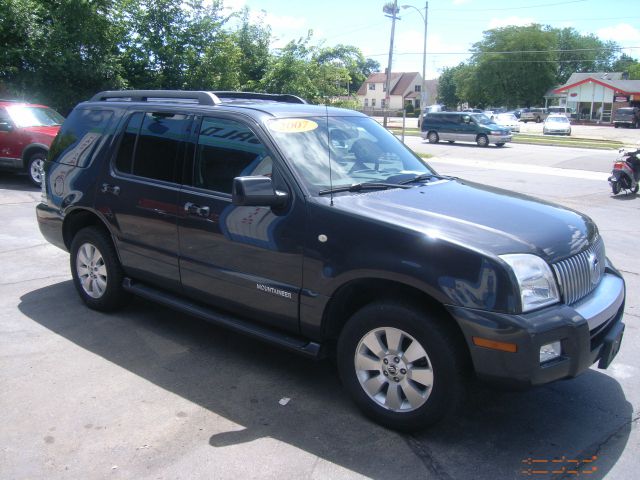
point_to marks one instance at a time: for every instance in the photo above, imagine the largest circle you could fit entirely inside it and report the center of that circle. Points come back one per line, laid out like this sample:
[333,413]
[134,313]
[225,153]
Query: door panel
[244,259]
[139,193]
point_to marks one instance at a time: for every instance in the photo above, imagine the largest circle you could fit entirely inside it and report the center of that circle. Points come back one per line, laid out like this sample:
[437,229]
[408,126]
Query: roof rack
[274,97]
[179,96]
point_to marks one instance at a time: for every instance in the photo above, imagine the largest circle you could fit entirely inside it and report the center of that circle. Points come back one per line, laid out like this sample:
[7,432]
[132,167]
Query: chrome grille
[578,275]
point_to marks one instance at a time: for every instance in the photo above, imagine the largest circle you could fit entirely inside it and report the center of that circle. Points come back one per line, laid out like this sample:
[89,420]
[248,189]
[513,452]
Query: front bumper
[589,331]
[499,138]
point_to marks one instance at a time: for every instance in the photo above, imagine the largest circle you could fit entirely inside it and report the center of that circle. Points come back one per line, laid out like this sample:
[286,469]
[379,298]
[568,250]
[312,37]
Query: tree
[625,63]
[581,53]
[515,65]
[66,44]
[447,91]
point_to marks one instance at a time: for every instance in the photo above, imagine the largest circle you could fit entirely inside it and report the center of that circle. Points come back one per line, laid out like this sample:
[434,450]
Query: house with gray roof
[405,87]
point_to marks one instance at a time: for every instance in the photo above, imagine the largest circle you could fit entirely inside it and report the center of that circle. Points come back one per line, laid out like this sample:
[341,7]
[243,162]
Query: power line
[514,52]
[508,8]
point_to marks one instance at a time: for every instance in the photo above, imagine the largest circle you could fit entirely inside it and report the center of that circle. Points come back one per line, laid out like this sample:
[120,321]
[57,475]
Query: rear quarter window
[80,136]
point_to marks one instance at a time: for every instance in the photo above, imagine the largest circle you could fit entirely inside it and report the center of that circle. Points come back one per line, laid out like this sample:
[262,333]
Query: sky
[453,26]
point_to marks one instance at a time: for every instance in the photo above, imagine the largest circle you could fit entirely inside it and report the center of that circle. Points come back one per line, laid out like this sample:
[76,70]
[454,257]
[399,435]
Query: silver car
[508,120]
[557,123]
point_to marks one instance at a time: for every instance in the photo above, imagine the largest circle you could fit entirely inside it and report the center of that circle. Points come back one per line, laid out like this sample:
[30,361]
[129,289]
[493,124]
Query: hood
[46,131]
[479,217]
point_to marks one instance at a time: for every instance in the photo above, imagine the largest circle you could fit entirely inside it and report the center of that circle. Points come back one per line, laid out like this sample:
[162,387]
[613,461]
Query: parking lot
[148,393]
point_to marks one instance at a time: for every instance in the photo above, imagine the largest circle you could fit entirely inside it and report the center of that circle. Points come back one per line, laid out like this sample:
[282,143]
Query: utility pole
[423,93]
[390,11]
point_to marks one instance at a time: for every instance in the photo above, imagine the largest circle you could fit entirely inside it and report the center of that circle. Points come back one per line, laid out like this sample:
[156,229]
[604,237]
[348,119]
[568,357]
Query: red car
[26,133]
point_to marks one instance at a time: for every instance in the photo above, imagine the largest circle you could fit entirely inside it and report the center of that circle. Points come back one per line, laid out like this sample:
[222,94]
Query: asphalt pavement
[146,393]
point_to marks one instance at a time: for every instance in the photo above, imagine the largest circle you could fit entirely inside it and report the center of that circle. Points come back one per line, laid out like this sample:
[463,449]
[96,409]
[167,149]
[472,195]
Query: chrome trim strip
[603,303]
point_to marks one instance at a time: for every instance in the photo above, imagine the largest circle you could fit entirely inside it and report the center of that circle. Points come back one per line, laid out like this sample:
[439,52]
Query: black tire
[525,121]
[500,144]
[538,119]
[616,125]
[414,405]
[482,141]
[96,270]
[634,190]
[615,188]
[433,137]
[35,167]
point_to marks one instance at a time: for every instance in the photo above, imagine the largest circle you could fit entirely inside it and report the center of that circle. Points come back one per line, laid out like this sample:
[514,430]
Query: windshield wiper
[358,187]
[426,176]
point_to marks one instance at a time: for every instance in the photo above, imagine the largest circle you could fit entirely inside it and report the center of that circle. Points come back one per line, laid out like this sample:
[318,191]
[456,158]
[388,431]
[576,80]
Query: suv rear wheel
[399,366]
[482,140]
[96,270]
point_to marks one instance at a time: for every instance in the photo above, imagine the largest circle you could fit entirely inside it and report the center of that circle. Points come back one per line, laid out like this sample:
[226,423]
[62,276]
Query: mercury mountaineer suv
[315,229]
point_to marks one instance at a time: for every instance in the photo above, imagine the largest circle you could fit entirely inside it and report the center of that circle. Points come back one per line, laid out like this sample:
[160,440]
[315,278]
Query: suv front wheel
[399,366]
[96,270]
[35,167]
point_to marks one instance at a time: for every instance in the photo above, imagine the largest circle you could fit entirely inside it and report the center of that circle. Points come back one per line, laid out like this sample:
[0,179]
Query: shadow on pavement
[242,380]
[17,181]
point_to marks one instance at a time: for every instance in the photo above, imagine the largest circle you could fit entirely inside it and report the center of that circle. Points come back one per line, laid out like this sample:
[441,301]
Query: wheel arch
[31,149]
[355,294]
[76,220]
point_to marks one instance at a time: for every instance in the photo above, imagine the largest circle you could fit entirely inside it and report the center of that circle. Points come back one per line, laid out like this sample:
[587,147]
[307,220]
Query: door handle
[193,209]
[112,189]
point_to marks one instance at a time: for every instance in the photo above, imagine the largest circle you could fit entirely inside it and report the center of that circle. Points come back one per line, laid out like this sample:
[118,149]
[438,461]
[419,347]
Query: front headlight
[537,285]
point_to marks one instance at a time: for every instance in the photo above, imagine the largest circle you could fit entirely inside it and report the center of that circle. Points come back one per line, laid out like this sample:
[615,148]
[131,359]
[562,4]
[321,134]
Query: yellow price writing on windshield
[292,125]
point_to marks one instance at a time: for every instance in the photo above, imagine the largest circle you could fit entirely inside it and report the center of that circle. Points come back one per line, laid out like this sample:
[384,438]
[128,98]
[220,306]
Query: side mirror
[257,192]
[5,127]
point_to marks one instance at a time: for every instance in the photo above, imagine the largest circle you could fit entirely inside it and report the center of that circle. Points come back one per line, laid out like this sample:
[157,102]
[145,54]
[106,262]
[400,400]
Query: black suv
[317,230]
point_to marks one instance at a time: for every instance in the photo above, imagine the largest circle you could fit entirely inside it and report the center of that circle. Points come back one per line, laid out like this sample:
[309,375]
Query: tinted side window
[124,160]
[80,136]
[151,145]
[228,149]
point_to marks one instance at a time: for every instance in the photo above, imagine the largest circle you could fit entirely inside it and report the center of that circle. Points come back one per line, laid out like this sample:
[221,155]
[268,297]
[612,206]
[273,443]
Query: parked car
[627,117]
[556,123]
[464,127]
[317,230]
[566,111]
[508,120]
[26,133]
[534,115]
[519,111]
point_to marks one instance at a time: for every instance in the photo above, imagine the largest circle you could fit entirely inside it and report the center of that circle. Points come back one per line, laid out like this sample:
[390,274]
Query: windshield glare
[558,119]
[360,150]
[24,116]
[507,117]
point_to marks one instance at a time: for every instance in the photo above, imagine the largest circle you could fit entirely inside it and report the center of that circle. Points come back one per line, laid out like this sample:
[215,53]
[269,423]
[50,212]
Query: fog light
[550,351]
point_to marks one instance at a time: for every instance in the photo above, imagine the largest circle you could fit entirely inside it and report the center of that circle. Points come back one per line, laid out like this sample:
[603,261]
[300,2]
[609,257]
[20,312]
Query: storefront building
[594,96]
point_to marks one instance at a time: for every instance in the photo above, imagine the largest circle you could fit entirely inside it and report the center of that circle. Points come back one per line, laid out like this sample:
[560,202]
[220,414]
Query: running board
[275,337]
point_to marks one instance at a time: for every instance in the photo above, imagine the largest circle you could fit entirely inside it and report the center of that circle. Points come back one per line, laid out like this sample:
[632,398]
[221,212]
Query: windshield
[24,116]
[482,119]
[507,117]
[558,119]
[361,151]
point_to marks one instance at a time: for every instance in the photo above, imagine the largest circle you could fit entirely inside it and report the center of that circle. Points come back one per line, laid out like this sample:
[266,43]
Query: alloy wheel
[393,369]
[92,271]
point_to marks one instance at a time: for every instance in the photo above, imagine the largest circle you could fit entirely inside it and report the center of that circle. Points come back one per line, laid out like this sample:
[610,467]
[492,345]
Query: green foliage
[447,88]
[517,79]
[516,65]
[62,52]
[582,53]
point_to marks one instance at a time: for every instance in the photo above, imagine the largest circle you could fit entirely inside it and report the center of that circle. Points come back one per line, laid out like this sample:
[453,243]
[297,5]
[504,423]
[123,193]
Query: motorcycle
[626,172]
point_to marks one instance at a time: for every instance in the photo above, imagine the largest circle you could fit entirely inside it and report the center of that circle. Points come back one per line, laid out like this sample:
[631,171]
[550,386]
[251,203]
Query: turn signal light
[495,345]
